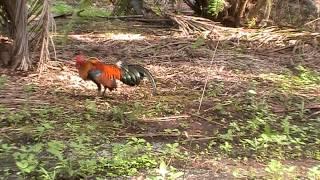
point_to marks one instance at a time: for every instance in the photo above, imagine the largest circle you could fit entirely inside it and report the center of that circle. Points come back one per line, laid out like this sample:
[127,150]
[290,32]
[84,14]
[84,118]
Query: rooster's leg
[104,91]
[99,88]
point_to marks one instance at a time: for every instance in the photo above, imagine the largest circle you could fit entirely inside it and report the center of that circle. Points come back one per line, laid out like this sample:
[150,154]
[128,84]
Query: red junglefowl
[106,74]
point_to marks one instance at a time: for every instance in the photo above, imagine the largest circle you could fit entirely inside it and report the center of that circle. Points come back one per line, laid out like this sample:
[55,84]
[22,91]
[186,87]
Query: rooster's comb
[79,58]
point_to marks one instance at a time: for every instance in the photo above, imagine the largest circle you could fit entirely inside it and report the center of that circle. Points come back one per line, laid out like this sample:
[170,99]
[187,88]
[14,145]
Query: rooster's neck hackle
[120,64]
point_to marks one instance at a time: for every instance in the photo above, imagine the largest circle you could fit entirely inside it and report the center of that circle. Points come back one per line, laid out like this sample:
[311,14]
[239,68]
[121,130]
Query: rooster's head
[80,59]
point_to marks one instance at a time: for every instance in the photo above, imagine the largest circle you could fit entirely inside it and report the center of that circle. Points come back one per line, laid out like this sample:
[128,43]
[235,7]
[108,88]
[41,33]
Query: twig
[313,114]
[207,78]
[312,21]
[120,17]
[165,119]
[155,135]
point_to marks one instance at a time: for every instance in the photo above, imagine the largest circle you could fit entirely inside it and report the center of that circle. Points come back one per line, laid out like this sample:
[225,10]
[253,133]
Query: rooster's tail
[132,74]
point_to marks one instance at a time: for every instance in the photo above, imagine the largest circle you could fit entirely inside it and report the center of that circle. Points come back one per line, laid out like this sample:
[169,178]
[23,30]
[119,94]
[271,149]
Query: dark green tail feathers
[132,74]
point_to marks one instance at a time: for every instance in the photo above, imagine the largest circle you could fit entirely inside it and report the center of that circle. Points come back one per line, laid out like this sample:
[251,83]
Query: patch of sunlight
[119,37]
[74,81]
[126,37]
[306,79]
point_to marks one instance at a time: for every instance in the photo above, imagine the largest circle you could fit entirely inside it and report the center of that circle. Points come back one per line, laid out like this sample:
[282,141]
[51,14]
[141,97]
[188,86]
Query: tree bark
[16,11]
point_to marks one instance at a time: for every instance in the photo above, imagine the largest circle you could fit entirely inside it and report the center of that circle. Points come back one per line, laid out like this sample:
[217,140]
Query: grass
[3,81]
[95,12]
[305,79]
[47,155]
[61,7]
[84,144]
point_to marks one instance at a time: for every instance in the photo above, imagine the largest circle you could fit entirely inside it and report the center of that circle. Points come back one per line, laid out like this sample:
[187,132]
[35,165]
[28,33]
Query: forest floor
[259,116]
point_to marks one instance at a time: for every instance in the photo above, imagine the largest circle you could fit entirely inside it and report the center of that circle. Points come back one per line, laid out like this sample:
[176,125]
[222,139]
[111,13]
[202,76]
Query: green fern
[216,6]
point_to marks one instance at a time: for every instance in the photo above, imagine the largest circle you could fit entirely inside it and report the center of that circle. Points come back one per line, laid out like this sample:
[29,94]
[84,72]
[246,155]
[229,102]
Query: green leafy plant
[29,88]
[172,151]
[226,147]
[3,81]
[43,127]
[117,114]
[254,144]
[48,175]
[200,41]
[46,112]
[128,158]
[56,149]
[5,148]
[164,108]
[306,79]
[61,7]
[277,170]
[26,158]
[252,22]
[165,172]
[228,135]
[216,6]
[91,109]
[18,117]
[314,172]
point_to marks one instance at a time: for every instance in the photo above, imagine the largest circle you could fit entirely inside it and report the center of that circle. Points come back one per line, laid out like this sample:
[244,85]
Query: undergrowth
[50,142]
[61,7]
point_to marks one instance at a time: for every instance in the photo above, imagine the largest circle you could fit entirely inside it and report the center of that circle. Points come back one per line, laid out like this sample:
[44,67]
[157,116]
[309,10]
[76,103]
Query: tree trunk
[16,18]
[20,58]
[28,28]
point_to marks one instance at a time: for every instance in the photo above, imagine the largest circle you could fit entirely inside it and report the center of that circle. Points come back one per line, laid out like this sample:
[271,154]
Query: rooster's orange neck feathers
[84,65]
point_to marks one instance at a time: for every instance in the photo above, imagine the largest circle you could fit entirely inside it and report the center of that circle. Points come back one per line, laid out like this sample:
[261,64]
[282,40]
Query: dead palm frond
[41,22]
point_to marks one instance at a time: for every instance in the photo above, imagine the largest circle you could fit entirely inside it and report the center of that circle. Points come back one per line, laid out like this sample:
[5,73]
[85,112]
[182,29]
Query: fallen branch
[155,135]
[165,119]
[120,17]
[200,139]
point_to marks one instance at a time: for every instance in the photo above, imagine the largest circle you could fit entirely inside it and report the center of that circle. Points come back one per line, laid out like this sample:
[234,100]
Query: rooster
[106,74]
